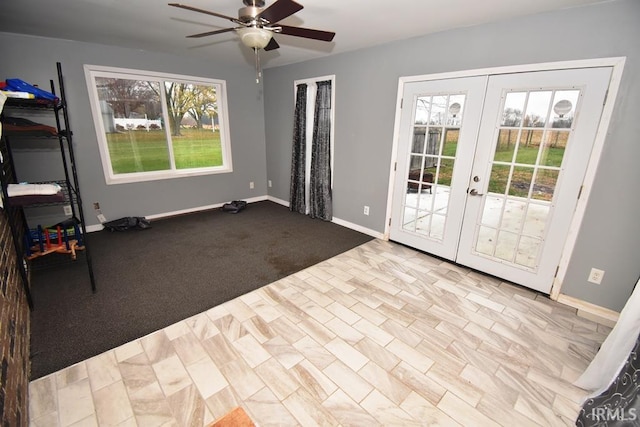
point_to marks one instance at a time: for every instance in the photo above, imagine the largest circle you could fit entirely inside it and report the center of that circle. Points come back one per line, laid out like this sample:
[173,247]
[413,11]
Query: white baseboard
[99,227]
[278,201]
[590,311]
[359,228]
[338,221]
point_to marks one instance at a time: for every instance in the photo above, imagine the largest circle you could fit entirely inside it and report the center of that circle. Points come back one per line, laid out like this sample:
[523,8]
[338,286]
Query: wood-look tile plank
[188,407]
[463,412]
[387,412]
[242,378]
[313,380]
[171,375]
[75,402]
[392,388]
[207,377]
[350,382]
[426,413]
[150,406]
[314,352]
[281,382]
[347,411]
[112,404]
[308,411]
[284,352]
[419,382]
[267,410]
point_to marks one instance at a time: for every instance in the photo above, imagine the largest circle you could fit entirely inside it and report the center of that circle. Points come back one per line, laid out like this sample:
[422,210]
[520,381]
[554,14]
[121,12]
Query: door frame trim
[617,65]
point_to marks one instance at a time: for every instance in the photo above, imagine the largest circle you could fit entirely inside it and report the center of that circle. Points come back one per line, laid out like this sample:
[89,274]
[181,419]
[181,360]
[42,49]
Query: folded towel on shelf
[25,127]
[32,189]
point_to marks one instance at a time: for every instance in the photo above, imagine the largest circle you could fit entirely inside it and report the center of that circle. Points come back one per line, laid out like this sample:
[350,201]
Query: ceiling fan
[257,24]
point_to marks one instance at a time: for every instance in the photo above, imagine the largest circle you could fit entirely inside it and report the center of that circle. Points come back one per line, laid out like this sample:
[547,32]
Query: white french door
[438,132]
[489,168]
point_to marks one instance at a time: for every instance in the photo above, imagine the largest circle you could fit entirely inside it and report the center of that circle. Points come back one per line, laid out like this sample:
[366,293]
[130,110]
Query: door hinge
[580,191]
[606,95]
[389,222]
[557,269]
[401,102]
[395,166]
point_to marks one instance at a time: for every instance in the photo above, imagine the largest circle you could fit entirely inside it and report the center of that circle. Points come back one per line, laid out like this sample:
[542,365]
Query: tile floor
[379,335]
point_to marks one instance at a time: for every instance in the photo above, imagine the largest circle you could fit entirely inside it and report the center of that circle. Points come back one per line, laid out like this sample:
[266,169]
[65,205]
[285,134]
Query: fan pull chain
[258,69]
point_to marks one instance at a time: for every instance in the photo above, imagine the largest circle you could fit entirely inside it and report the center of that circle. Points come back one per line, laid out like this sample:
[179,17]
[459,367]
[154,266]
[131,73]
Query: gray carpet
[181,266]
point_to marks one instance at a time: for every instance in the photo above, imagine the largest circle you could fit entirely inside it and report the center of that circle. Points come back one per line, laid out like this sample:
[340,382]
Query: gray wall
[33,59]
[366,87]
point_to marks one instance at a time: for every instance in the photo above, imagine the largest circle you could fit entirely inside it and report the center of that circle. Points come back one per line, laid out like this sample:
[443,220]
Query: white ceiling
[153,25]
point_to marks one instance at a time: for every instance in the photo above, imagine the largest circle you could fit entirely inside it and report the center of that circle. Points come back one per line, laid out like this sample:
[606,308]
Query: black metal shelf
[70,188]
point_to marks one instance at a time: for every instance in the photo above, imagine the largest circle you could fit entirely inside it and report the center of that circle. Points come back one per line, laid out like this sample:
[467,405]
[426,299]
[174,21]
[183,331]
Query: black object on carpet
[181,266]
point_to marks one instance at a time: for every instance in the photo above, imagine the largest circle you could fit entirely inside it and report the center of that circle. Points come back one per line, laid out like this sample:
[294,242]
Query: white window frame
[93,71]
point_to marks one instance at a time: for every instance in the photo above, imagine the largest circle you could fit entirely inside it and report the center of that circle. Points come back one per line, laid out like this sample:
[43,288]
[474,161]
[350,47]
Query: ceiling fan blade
[195,9]
[211,33]
[308,33]
[273,44]
[279,10]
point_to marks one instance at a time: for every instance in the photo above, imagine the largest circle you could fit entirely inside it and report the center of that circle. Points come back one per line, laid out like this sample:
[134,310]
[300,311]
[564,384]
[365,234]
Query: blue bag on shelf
[18,85]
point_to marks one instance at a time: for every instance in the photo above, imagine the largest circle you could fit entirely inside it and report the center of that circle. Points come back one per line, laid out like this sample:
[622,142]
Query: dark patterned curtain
[298,158]
[619,405]
[320,204]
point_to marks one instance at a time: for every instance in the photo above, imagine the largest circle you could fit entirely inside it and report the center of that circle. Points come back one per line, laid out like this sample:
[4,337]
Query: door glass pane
[445,172]
[438,110]
[423,107]
[529,146]
[506,145]
[455,110]
[536,220]
[513,108]
[434,144]
[437,226]
[506,245]
[564,106]
[486,240]
[528,249]
[451,137]
[555,144]
[545,185]
[513,215]
[419,135]
[434,141]
[492,211]
[499,178]
[520,181]
[423,222]
[441,200]
[537,109]
[409,219]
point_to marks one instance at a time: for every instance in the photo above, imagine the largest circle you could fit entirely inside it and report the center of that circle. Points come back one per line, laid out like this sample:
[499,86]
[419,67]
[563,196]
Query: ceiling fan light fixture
[255,38]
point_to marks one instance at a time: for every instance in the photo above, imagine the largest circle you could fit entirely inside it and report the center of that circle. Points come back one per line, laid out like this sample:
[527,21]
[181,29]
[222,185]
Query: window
[156,126]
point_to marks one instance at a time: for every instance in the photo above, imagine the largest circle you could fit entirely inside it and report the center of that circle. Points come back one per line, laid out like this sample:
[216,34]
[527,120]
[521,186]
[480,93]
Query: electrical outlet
[270,184]
[366,210]
[596,276]
[67,210]
[251,185]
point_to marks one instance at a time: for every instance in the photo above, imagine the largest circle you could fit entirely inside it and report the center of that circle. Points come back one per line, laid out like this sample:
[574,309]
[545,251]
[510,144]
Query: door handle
[474,192]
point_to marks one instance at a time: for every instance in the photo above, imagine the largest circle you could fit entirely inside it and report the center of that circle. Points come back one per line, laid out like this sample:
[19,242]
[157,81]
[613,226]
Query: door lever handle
[474,192]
